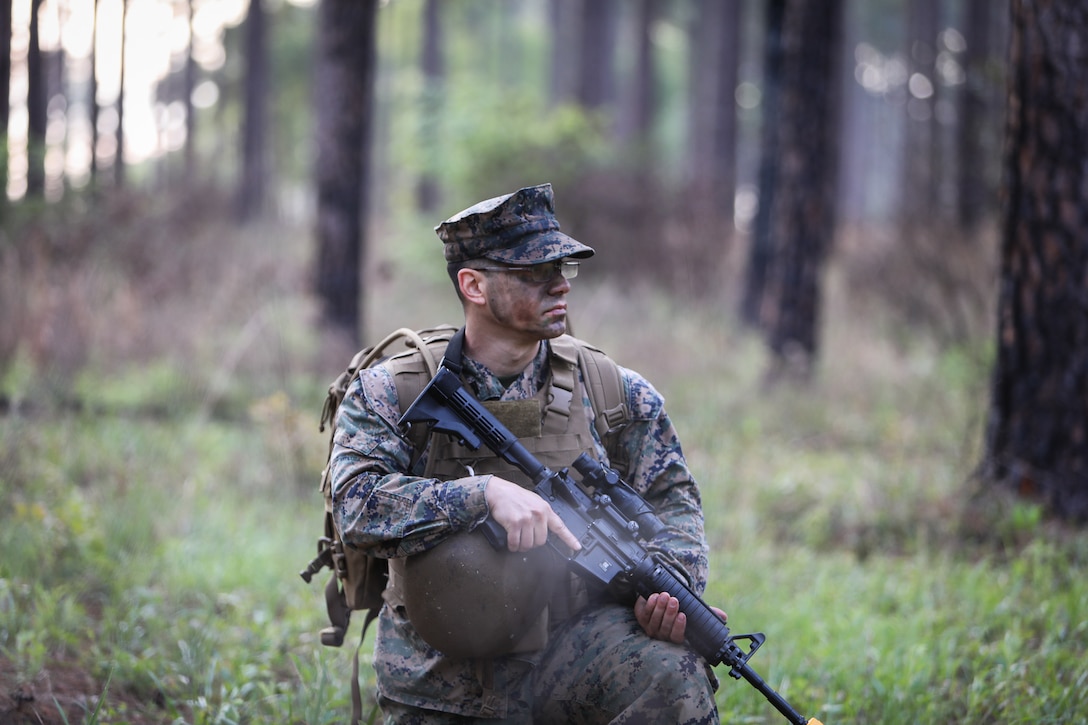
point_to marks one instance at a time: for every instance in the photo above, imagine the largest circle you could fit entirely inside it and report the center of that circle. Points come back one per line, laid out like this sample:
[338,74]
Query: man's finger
[679,627]
[556,526]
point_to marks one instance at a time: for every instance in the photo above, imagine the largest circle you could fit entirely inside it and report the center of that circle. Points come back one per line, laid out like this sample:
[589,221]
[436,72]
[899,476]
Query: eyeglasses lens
[540,273]
[547,272]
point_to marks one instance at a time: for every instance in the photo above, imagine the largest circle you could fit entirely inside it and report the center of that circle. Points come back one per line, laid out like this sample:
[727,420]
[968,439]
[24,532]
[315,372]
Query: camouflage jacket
[383,505]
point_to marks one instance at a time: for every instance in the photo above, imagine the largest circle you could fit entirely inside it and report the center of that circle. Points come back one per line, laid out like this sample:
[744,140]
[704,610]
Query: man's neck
[503,356]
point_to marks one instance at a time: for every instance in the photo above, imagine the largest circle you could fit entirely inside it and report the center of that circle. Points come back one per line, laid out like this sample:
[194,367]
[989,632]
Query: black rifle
[608,523]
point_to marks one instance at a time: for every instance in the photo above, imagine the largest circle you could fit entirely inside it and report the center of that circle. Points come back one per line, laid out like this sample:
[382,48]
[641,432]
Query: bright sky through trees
[156,42]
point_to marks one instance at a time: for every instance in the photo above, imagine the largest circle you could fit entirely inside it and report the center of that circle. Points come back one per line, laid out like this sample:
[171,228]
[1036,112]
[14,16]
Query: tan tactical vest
[554,426]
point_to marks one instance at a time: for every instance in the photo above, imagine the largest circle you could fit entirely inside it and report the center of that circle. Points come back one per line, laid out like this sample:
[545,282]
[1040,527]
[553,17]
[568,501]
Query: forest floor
[62,693]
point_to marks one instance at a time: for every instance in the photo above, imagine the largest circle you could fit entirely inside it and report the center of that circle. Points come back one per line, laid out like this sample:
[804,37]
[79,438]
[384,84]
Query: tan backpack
[358,580]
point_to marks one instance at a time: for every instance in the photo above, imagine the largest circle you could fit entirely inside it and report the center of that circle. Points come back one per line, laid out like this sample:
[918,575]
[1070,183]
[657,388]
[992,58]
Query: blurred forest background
[846,239]
[667,127]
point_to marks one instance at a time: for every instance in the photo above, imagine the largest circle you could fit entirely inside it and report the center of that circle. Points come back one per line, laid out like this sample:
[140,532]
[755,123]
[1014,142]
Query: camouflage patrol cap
[517,228]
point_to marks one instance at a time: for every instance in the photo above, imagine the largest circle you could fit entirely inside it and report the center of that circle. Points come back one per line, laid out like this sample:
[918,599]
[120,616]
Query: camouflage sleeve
[659,471]
[379,504]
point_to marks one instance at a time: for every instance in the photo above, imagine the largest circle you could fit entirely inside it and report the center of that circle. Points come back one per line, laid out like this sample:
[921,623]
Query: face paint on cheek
[527,308]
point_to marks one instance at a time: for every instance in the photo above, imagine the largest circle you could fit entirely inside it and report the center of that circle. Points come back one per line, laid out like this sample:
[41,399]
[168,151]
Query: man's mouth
[556,310]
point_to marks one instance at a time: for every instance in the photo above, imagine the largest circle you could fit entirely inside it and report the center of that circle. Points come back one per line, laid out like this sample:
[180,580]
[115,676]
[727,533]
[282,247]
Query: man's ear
[472,282]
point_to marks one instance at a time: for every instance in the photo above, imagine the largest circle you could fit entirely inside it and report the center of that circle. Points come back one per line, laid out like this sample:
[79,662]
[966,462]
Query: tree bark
[433,66]
[713,130]
[119,154]
[724,137]
[343,90]
[972,179]
[596,75]
[1037,433]
[636,117]
[190,110]
[760,252]
[5,93]
[92,97]
[254,178]
[35,106]
[804,202]
[564,52]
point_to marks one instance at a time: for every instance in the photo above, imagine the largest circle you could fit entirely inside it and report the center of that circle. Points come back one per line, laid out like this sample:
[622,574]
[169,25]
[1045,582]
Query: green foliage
[929,638]
[150,539]
[159,384]
[495,140]
[509,140]
[486,126]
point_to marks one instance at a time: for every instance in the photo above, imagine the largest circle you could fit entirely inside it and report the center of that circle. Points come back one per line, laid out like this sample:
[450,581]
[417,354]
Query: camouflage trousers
[599,668]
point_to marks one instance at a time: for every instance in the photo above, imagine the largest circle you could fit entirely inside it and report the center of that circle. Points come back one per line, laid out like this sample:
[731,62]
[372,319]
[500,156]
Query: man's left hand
[661,618]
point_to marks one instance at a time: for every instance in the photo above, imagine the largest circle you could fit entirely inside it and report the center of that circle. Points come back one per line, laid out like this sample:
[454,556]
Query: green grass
[151,540]
[165,553]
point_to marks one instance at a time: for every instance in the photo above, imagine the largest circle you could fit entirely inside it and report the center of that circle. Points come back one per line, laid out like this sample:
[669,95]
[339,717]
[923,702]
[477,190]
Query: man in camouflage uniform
[603,659]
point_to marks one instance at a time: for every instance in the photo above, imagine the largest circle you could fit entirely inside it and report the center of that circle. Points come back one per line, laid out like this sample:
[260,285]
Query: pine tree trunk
[973,188]
[343,88]
[5,93]
[190,110]
[92,97]
[35,106]
[713,128]
[1037,436]
[760,253]
[254,176]
[433,66]
[563,59]
[636,113]
[119,154]
[596,75]
[804,200]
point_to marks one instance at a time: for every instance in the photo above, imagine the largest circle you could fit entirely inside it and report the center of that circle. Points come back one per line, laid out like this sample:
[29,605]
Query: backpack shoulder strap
[602,376]
[604,384]
[414,368]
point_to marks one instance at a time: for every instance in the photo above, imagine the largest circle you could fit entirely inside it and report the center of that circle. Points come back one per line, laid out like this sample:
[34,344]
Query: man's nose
[559,285]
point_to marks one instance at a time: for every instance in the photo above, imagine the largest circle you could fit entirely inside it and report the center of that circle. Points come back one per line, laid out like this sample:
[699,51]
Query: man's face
[522,305]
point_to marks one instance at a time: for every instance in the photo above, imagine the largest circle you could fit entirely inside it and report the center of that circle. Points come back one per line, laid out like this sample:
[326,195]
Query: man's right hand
[526,517]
